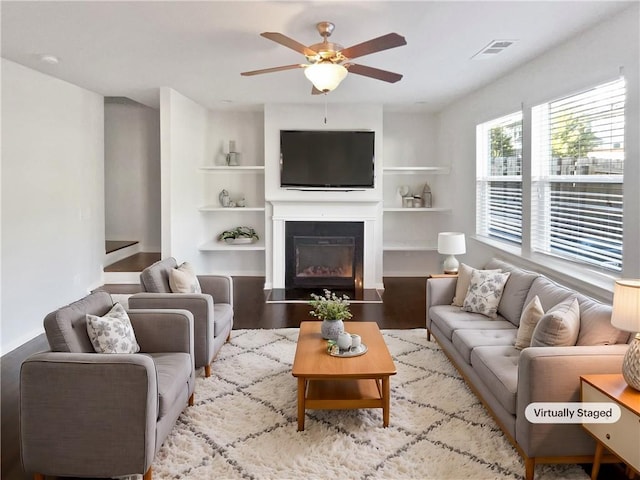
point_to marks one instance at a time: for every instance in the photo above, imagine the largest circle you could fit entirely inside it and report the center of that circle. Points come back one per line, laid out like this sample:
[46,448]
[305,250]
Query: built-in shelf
[215,246]
[416,209]
[414,170]
[238,169]
[409,247]
[216,208]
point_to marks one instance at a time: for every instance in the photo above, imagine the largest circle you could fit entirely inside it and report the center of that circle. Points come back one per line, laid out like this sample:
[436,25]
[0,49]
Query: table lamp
[450,244]
[626,316]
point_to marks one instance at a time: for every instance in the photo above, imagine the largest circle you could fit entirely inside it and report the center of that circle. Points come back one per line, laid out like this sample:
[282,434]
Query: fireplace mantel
[369,212]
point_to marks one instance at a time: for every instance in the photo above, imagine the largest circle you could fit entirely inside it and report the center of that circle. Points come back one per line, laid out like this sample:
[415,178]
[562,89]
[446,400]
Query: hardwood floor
[403,307]
[134,263]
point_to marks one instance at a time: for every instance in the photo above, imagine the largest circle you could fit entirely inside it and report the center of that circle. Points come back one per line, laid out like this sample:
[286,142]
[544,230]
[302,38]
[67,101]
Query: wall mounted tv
[323,159]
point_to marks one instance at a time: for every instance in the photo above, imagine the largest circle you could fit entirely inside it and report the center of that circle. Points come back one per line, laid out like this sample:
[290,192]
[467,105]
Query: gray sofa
[87,414]
[212,309]
[507,379]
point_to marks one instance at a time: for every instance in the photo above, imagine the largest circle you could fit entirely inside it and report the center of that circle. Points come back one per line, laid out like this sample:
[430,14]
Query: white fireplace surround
[369,212]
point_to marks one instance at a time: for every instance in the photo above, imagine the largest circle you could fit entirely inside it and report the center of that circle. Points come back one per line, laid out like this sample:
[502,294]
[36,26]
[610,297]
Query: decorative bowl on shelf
[239,241]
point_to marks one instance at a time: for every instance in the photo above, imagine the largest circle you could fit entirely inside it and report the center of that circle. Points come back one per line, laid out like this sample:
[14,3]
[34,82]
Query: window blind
[499,178]
[577,176]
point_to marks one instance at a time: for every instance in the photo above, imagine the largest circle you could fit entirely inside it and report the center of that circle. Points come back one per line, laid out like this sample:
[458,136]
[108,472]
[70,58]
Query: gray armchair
[212,309]
[86,414]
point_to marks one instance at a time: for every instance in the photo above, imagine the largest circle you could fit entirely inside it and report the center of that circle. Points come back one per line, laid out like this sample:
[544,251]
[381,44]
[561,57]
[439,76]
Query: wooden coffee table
[334,383]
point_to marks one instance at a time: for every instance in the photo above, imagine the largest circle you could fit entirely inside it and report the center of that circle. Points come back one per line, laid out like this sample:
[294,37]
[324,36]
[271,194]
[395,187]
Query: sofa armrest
[63,396]
[552,374]
[220,287]
[440,291]
[163,330]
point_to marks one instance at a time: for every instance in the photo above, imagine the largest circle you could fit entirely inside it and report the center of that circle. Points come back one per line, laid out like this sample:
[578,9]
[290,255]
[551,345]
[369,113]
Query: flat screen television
[323,159]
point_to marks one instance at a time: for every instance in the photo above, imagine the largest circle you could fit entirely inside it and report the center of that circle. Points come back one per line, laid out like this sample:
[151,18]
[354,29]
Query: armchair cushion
[169,367]
[112,333]
[155,278]
[66,328]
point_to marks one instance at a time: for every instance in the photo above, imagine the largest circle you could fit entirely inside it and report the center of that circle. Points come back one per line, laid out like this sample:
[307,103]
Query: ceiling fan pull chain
[325,108]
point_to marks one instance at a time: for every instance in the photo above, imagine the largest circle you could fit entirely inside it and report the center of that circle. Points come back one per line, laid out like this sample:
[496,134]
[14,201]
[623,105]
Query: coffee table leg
[386,397]
[302,383]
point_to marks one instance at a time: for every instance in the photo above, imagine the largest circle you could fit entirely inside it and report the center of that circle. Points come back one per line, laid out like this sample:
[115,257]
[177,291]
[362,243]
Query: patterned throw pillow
[112,333]
[485,292]
[462,284]
[531,315]
[183,279]
[559,326]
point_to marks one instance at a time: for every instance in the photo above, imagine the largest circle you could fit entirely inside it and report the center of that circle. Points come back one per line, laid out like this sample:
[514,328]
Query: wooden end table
[334,383]
[621,438]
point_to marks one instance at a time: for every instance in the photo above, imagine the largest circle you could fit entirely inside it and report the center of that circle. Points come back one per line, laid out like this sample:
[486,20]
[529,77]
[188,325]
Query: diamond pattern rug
[244,422]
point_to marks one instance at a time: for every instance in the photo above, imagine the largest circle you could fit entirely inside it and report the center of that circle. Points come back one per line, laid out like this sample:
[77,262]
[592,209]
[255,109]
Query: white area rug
[243,425]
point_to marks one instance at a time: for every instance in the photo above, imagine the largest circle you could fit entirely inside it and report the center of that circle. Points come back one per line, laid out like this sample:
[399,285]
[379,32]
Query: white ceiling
[130,49]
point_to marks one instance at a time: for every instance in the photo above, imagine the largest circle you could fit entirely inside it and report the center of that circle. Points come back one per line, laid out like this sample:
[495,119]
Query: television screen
[327,159]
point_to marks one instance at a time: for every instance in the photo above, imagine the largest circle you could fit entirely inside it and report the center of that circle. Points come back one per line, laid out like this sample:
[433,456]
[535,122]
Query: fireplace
[324,255]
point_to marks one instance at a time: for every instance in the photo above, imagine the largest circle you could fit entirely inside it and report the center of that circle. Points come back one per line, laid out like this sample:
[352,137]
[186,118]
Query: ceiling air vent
[494,48]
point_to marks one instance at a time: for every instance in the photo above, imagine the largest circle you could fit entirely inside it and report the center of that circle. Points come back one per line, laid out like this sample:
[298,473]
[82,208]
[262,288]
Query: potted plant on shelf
[332,310]
[239,235]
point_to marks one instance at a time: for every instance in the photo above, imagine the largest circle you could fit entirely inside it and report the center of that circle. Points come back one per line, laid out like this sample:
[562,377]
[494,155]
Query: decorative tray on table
[334,351]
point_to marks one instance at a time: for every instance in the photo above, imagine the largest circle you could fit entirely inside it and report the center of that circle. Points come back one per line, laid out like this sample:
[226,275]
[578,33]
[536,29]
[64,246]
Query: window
[577,176]
[499,179]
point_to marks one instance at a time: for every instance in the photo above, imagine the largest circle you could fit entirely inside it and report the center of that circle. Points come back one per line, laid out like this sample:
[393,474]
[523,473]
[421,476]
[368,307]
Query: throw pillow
[462,284]
[112,333]
[559,326]
[183,279]
[531,315]
[485,292]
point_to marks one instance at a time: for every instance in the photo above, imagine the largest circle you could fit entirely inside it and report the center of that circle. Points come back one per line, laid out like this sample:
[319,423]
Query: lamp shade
[626,305]
[325,76]
[451,243]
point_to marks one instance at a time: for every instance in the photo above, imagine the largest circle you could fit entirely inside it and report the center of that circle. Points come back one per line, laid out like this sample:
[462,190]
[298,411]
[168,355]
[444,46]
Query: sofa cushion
[155,278]
[222,316]
[530,317]
[112,333]
[183,279]
[66,328]
[559,326]
[515,291]
[450,318]
[595,324]
[498,368]
[549,292]
[465,340]
[462,284]
[485,292]
[174,373]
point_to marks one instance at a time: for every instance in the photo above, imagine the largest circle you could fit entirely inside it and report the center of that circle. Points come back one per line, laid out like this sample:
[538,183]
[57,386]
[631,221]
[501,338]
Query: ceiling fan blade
[289,43]
[390,40]
[376,73]
[272,69]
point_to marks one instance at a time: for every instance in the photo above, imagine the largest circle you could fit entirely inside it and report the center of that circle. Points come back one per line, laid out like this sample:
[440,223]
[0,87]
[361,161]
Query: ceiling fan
[329,62]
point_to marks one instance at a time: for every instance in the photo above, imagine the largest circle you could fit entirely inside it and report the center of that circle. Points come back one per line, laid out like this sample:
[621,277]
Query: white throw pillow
[462,284]
[485,292]
[531,315]
[559,326]
[112,333]
[183,279]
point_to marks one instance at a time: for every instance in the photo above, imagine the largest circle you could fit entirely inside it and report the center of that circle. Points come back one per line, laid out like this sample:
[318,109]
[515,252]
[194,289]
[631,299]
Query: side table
[621,438]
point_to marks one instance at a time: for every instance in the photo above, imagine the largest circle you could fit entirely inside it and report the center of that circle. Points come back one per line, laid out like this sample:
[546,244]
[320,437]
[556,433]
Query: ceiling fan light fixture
[325,76]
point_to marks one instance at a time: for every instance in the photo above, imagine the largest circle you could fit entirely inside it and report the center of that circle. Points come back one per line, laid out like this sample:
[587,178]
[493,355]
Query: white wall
[132,173]
[588,59]
[52,198]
